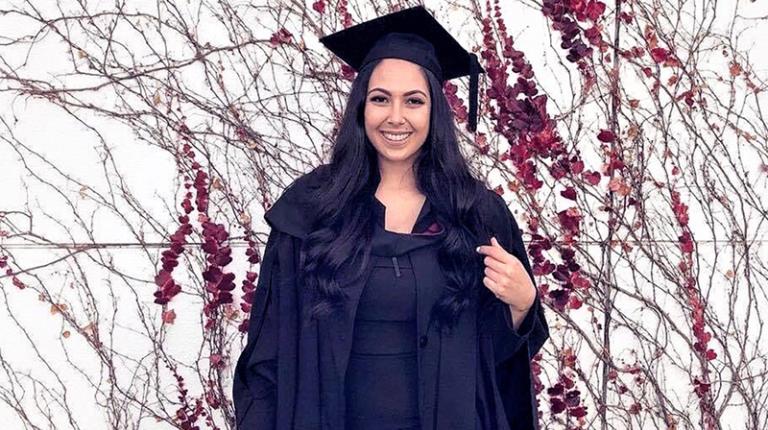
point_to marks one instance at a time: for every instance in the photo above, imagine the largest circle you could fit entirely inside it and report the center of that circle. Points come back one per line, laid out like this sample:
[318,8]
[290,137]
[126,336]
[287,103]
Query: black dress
[382,374]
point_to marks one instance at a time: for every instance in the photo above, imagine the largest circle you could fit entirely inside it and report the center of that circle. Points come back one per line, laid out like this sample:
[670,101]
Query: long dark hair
[345,215]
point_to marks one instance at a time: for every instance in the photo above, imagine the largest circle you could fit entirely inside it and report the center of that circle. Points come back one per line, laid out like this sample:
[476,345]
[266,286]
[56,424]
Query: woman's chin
[397,154]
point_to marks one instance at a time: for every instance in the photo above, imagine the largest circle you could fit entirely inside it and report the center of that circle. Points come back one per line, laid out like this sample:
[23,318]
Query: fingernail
[477,249]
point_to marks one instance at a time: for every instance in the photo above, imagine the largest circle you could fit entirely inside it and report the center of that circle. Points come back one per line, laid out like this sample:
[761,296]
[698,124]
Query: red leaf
[606,136]
[556,390]
[161,278]
[558,405]
[595,10]
[592,177]
[574,302]
[686,242]
[570,359]
[647,72]
[577,167]
[347,72]
[578,412]
[278,38]
[216,360]
[169,316]
[569,193]
[659,55]
[735,69]
[626,17]
[711,355]
[319,6]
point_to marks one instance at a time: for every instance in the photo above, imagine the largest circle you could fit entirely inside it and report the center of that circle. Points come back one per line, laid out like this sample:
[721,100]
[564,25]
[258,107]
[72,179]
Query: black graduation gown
[291,373]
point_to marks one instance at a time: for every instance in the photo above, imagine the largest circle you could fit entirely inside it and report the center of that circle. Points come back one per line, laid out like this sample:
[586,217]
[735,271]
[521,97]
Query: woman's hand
[506,277]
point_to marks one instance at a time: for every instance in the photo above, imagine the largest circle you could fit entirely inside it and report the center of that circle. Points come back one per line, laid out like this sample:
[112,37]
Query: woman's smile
[396,139]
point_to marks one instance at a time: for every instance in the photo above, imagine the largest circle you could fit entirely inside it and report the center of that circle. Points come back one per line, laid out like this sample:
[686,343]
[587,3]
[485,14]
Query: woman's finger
[496,265]
[494,275]
[496,251]
[491,285]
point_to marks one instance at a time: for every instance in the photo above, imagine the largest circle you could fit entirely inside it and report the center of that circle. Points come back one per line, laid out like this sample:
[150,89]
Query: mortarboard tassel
[474,69]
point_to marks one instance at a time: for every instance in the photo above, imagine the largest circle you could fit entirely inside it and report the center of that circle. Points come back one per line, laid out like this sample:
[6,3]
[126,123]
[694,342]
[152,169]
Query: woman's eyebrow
[389,94]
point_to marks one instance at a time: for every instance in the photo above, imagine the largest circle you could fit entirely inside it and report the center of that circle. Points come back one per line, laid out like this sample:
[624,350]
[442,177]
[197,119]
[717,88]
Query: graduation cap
[414,35]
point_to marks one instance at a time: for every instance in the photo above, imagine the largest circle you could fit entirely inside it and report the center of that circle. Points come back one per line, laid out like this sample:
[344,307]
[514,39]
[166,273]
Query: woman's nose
[395,114]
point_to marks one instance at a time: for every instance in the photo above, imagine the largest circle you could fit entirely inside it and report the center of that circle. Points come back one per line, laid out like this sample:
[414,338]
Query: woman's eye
[377,99]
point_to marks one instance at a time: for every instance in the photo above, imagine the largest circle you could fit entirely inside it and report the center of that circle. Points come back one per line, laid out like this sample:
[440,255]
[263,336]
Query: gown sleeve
[513,349]
[533,331]
[255,379]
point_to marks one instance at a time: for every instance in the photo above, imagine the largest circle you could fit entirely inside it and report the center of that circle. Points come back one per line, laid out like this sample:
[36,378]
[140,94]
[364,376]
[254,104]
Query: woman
[375,307]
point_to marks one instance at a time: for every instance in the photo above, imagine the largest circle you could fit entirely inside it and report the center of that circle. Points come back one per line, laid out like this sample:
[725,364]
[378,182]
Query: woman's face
[397,110]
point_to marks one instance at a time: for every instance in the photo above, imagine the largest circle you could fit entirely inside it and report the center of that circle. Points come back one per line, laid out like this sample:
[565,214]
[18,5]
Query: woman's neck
[397,179]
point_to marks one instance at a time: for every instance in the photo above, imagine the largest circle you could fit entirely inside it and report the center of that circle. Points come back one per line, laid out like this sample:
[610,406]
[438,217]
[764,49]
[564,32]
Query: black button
[423,341]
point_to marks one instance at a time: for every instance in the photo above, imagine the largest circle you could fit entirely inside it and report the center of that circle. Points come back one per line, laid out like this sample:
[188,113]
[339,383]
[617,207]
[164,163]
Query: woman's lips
[393,140]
